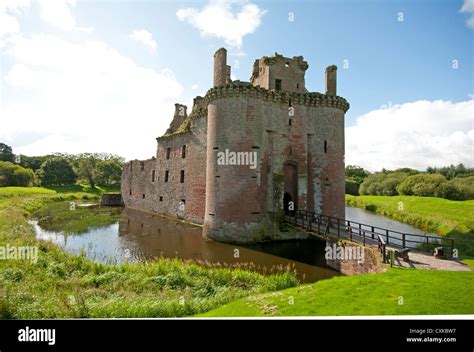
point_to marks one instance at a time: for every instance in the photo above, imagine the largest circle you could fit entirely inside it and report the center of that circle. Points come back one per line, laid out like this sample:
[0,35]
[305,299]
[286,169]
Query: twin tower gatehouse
[247,151]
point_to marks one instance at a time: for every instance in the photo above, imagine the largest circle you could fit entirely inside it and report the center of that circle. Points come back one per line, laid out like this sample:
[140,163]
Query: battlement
[237,88]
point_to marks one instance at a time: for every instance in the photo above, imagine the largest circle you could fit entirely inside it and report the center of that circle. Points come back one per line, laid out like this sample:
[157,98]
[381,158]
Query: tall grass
[59,284]
[445,217]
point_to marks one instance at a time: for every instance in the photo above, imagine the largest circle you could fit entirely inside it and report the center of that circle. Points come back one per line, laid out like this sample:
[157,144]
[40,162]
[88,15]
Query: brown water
[139,236]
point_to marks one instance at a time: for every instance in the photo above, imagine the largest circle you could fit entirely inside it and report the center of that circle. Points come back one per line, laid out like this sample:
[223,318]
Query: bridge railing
[353,230]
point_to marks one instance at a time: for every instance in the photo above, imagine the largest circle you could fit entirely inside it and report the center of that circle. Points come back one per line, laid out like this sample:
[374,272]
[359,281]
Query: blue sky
[412,76]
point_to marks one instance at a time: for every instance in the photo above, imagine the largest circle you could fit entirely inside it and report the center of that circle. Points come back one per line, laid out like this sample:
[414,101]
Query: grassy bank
[61,285]
[59,217]
[441,216]
[396,292]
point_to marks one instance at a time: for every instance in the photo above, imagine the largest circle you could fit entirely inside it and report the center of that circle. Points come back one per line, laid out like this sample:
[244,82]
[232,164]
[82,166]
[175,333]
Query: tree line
[59,169]
[450,182]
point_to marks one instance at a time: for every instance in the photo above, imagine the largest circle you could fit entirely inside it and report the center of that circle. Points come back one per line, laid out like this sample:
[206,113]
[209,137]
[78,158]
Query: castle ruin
[247,151]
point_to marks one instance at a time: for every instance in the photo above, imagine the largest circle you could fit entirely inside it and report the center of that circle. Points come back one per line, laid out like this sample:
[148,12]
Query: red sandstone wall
[173,191]
[236,194]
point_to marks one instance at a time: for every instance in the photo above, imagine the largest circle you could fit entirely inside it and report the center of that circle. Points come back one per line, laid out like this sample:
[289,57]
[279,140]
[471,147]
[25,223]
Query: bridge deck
[325,225]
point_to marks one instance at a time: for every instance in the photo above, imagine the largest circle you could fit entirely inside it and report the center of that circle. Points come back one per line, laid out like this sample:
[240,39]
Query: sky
[103,76]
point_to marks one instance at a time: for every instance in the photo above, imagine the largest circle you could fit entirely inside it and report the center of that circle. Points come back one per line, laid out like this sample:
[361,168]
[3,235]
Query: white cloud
[416,135]
[468,7]
[219,19]
[54,12]
[144,37]
[82,96]
[8,22]
[58,13]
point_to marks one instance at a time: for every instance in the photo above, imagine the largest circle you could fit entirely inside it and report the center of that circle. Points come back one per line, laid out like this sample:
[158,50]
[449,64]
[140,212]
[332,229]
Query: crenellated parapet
[245,89]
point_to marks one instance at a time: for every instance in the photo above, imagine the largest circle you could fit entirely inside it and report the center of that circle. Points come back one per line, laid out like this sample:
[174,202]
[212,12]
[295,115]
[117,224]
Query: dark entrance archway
[290,174]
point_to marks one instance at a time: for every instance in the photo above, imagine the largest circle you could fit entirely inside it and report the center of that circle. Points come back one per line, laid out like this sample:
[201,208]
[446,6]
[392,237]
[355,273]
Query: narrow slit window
[161,198]
[167,175]
[168,152]
[181,179]
[142,166]
[130,193]
[152,175]
[143,195]
[325,146]
[183,152]
[289,122]
[131,165]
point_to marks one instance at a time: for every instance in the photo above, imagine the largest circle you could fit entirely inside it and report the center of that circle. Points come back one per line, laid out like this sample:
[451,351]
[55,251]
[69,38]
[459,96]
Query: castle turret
[234,137]
[221,69]
[331,80]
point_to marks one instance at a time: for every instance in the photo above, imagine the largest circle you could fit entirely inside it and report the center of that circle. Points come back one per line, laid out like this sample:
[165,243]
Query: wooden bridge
[384,239]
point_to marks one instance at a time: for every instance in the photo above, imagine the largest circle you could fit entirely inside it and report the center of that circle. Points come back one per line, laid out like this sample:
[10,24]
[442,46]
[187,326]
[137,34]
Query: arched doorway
[290,174]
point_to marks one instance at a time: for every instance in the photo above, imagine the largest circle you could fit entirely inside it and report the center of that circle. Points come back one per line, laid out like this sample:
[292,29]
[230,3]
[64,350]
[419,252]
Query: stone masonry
[296,136]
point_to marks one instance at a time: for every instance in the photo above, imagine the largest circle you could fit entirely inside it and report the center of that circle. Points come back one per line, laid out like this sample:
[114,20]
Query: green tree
[352,187]
[109,172]
[460,188]
[56,171]
[86,170]
[356,173]
[423,185]
[6,153]
[382,183]
[15,175]
[33,162]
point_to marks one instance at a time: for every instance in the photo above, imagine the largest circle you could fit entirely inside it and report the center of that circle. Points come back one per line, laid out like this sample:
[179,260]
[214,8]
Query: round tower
[234,197]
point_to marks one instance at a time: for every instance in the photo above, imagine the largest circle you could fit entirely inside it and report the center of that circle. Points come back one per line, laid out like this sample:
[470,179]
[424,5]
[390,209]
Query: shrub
[423,185]
[352,187]
[382,183]
[459,188]
[15,175]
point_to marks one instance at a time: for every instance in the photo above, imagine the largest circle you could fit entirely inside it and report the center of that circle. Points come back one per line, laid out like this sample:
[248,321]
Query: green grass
[395,292]
[21,191]
[73,219]
[60,285]
[83,188]
[441,216]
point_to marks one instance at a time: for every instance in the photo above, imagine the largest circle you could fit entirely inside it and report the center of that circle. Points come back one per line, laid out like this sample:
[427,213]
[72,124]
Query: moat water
[141,236]
[137,236]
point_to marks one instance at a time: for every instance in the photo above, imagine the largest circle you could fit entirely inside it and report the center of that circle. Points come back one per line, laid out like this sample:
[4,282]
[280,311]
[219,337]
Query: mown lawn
[442,216]
[62,285]
[395,292]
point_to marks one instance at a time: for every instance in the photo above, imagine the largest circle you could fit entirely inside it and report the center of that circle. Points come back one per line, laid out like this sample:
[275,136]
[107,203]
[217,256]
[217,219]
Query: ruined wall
[138,190]
[290,71]
[165,197]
